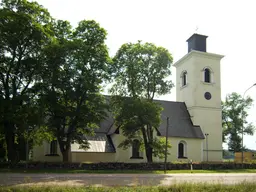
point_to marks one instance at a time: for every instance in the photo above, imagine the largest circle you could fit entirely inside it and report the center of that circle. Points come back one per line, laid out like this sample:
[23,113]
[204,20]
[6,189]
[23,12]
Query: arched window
[53,147]
[182,149]
[136,149]
[207,75]
[184,78]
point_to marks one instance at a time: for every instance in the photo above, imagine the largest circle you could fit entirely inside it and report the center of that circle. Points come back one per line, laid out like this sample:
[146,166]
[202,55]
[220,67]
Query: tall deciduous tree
[24,31]
[140,73]
[234,114]
[76,65]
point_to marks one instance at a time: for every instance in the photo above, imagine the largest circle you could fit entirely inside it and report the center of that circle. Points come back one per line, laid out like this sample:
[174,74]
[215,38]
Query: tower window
[182,150]
[207,75]
[184,78]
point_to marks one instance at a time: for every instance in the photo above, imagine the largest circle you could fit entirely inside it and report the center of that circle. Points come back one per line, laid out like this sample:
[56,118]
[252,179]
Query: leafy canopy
[141,72]
[76,64]
[24,31]
[234,115]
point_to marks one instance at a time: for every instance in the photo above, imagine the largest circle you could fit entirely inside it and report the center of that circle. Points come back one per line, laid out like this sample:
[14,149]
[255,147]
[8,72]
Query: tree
[76,64]
[234,114]
[140,73]
[2,148]
[24,31]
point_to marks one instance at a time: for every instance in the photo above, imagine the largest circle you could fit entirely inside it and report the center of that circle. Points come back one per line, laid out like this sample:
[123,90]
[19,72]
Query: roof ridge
[153,99]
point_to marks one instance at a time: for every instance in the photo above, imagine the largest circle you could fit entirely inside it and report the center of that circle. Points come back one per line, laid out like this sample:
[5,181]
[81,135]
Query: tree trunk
[65,150]
[149,154]
[11,152]
[9,133]
[65,156]
[21,148]
[149,149]
[10,141]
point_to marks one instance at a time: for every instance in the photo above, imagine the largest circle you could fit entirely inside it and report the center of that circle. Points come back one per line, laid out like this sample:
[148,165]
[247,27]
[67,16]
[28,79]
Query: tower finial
[196,29]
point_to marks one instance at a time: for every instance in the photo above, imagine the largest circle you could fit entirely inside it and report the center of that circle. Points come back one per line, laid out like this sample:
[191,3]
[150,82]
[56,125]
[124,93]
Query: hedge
[129,166]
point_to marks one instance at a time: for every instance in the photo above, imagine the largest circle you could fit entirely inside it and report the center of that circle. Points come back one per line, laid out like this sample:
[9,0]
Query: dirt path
[122,179]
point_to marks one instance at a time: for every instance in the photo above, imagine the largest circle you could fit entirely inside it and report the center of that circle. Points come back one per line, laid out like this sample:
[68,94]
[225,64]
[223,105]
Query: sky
[229,25]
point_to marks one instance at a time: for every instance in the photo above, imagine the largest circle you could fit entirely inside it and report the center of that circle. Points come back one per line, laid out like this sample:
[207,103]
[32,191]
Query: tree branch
[28,83]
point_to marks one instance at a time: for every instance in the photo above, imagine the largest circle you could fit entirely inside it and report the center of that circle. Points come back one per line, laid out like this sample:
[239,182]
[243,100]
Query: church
[195,118]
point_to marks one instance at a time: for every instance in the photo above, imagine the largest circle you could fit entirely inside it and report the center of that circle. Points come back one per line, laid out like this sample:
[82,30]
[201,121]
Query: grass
[76,171]
[248,187]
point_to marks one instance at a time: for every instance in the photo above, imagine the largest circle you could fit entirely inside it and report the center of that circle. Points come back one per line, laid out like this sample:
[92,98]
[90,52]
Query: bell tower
[198,84]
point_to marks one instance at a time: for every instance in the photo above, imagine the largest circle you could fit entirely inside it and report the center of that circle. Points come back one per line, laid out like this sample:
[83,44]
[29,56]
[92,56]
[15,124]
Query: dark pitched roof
[100,142]
[107,125]
[180,124]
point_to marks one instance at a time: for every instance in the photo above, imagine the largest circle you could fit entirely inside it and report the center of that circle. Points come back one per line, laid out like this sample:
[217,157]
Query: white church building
[195,119]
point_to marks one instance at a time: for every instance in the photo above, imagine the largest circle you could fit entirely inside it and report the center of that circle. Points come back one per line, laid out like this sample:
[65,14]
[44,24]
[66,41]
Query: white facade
[204,108]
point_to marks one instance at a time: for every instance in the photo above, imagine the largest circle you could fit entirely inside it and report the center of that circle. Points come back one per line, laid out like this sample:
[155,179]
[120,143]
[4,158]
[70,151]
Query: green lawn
[124,171]
[175,188]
